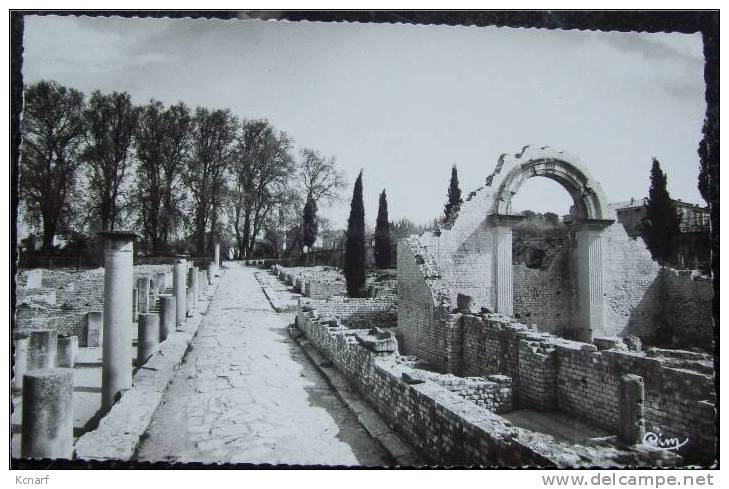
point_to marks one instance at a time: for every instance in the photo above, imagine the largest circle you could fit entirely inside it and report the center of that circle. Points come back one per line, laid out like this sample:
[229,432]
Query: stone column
[47,414]
[42,349]
[135,304]
[20,360]
[212,271]
[167,315]
[180,286]
[632,409]
[67,349]
[116,372]
[189,301]
[195,285]
[590,314]
[161,282]
[143,291]
[503,299]
[148,337]
[203,280]
[95,325]
[217,254]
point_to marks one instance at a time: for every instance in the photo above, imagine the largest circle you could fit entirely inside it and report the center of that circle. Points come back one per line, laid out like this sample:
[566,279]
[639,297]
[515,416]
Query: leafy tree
[310,226]
[453,205]
[354,253]
[111,121]
[662,221]
[383,244]
[204,174]
[404,228]
[262,171]
[162,146]
[551,218]
[52,130]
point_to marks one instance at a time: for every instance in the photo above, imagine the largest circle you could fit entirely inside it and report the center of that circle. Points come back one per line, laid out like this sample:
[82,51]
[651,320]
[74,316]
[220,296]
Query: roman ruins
[463,354]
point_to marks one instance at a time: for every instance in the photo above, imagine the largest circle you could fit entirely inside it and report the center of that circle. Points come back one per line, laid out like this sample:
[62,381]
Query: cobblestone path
[246,393]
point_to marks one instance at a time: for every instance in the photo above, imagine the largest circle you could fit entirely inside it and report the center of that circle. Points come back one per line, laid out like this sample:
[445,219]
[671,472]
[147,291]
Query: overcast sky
[406,102]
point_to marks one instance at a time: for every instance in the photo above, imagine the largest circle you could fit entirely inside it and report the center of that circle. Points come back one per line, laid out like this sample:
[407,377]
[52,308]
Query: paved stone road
[247,394]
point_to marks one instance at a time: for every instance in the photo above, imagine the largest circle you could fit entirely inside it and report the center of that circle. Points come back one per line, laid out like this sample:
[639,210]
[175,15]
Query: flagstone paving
[246,393]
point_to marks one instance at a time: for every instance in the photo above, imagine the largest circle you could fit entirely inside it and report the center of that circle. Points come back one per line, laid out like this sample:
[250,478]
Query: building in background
[692,243]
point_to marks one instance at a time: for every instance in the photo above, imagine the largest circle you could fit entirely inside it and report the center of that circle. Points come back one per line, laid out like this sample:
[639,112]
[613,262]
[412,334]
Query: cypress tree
[354,253]
[310,226]
[383,247]
[704,167]
[662,221]
[453,205]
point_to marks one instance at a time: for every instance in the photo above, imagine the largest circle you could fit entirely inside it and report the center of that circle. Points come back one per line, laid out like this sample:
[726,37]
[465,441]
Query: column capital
[504,219]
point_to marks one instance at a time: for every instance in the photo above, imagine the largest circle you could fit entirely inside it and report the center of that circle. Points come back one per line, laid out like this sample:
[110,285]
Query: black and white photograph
[411,239]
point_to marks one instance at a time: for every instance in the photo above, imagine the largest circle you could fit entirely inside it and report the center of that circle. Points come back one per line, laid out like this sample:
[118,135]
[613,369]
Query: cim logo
[656,441]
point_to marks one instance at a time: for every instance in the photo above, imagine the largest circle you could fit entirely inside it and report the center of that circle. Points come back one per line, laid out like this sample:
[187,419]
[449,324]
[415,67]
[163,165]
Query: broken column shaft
[143,291]
[632,409]
[47,414]
[67,349]
[20,360]
[42,349]
[168,315]
[148,337]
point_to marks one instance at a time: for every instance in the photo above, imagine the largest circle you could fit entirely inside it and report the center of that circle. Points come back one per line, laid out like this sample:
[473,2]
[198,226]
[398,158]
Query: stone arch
[592,216]
[586,193]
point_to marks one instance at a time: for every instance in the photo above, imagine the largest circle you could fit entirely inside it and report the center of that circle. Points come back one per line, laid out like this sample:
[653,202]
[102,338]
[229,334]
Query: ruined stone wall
[421,309]
[632,291]
[315,282]
[64,299]
[687,308]
[550,373]
[437,413]
[493,392]
[437,422]
[641,298]
[359,313]
[319,289]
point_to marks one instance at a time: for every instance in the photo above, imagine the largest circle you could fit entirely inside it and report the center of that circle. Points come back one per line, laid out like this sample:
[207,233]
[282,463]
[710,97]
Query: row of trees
[103,163]
[354,250]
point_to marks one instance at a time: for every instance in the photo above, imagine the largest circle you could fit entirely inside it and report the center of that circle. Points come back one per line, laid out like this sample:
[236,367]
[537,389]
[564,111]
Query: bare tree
[162,147]
[52,130]
[111,121]
[319,178]
[262,170]
[204,173]
[319,181]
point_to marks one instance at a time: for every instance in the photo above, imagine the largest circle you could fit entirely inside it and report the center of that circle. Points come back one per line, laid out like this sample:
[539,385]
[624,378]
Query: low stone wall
[315,282]
[443,426]
[65,297]
[492,392]
[360,313]
[552,373]
[319,289]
